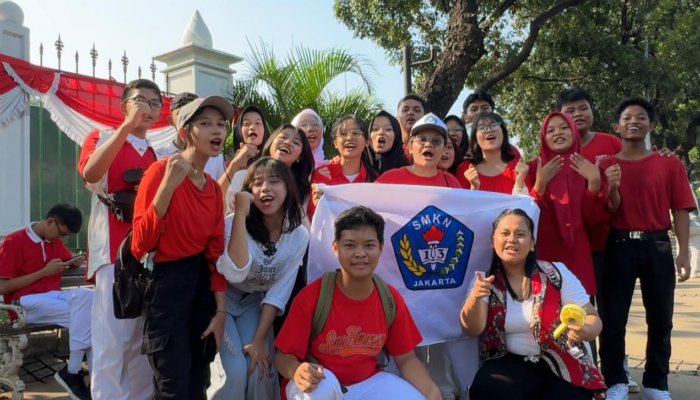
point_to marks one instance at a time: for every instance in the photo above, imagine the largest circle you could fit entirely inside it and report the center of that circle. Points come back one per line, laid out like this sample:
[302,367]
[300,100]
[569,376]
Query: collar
[32,235]
[336,171]
[140,145]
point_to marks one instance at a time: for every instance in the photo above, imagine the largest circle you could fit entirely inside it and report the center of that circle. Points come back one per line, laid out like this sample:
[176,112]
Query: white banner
[434,241]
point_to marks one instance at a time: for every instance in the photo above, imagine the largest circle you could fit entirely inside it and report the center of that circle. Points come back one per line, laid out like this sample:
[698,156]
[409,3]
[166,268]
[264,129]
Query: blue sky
[147,28]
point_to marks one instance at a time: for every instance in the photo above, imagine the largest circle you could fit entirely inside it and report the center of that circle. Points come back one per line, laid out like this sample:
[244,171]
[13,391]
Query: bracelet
[222,311]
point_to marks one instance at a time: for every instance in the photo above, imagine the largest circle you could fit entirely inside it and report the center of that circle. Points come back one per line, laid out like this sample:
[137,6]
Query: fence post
[14,137]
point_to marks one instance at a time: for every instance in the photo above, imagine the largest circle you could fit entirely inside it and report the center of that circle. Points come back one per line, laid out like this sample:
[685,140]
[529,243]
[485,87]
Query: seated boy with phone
[31,262]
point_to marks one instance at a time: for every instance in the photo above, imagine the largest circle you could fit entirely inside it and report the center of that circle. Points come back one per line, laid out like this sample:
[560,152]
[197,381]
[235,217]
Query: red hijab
[566,191]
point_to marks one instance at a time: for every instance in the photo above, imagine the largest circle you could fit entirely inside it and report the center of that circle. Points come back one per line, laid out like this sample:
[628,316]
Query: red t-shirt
[106,233]
[23,253]
[601,147]
[354,334]
[501,183]
[337,178]
[649,188]
[193,223]
[404,176]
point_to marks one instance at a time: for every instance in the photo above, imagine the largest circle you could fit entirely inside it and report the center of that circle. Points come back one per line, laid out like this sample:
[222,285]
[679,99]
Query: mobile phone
[75,257]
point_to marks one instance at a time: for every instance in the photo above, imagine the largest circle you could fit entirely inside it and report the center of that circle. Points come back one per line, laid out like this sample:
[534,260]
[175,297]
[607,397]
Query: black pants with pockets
[651,260]
[178,306]
[512,378]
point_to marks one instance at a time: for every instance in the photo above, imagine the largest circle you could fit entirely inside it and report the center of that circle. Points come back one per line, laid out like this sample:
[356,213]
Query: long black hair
[395,157]
[463,146]
[477,156]
[303,167]
[530,260]
[238,134]
[456,161]
[254,221]
[372,173]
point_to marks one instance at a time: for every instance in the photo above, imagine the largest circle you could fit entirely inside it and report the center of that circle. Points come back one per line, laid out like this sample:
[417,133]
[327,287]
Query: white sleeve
[225,265]
[471,288]
[215,167]
[279,293]
[572,291]
[522,192]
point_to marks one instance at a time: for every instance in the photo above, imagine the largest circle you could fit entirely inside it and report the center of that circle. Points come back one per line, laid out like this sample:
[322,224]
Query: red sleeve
[10,257]
[461,169]
[516,153]
[403,333]
[295,335]
[89,146]
[146,225]
[617,144]
[452,181]
[530,180]
[681,194]
[216,243]
[65,253]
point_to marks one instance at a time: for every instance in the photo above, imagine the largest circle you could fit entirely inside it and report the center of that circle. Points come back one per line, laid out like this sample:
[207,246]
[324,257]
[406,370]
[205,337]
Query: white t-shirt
[274,274]
[519,337]
[351,178]
[215,166]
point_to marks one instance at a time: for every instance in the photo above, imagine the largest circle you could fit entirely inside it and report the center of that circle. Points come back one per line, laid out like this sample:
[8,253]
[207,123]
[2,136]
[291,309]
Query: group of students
[227,306]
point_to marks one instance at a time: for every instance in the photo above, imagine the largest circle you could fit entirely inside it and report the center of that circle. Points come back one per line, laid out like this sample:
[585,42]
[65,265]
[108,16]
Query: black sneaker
[73,383]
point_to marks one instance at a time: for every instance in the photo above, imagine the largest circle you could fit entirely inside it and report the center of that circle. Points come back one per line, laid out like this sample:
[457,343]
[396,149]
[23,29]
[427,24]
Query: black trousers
[512,378]
[650,260]
[178,306]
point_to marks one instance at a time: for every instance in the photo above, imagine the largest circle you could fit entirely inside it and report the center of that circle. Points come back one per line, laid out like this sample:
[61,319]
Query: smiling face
[427,148]
[252,128]
[580,111]
[208,131]
[448,156]
[350,140]
[558,134]
[143,95]
[358,251]
[410,112]
[382,134]
[269,193]
[286,147]
[634,124]
[312,128]
[475,108]
[454,130]
[512,240]
[489,134]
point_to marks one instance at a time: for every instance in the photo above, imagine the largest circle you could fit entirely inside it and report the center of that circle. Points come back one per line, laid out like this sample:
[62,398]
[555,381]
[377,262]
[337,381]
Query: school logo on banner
[432,250]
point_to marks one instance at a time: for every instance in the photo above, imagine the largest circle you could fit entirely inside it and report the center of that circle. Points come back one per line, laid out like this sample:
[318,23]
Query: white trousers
[120,371]
[380,386]
[70,309]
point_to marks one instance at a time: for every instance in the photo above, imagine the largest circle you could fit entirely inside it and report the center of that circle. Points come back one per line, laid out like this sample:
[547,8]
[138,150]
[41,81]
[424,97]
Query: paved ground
[685,361]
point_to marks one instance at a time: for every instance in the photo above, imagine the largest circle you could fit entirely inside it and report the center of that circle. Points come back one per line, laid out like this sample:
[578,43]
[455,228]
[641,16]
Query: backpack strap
[323,305]
[387,299]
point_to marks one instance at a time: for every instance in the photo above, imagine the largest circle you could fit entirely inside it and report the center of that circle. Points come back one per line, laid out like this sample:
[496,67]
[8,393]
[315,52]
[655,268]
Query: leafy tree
[282,88]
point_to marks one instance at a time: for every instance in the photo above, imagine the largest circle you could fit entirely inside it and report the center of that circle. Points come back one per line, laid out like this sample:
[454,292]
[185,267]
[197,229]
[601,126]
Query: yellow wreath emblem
[407,256]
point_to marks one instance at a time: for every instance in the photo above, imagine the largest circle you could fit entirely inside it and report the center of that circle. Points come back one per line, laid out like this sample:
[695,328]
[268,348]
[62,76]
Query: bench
[14,336]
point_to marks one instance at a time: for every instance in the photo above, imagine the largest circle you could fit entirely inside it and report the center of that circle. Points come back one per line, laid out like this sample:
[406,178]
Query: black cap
[182,99]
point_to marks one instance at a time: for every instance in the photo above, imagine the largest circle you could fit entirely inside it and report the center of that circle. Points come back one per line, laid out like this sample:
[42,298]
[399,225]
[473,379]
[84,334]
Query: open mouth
[559,140]
[411,120]
[252,135]
[267,199]
[633,129]
[216,143]
[579,121]
[285,149]
[311,137]
[511,249]
[490,138]
[350,146]
[445,157]
[381,140]
[427,154]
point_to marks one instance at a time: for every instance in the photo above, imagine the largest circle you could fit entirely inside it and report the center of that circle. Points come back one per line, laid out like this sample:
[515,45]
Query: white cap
[429,121]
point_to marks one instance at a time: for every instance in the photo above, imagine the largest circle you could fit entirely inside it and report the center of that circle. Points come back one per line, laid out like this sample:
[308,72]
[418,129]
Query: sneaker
[632,385]
[618,392]
[73,383]
[655,394]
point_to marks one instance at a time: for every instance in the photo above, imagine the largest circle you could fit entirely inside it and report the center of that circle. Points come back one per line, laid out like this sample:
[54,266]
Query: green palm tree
[301,80]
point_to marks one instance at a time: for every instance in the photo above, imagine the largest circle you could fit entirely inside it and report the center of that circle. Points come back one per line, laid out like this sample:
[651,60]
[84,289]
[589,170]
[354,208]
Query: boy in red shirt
[638,246]
[356,329]
[31,262]
[426,145]
[107,159]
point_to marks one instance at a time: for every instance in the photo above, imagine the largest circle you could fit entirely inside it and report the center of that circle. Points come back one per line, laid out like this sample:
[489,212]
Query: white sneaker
[632,385]
[618,392]
[655,394]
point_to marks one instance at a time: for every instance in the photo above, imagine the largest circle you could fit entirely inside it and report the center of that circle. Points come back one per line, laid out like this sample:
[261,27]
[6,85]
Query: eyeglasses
[434,140]
[307,125]
[154,104]
[494,126]
[455,129]
[356,133]
[60,232]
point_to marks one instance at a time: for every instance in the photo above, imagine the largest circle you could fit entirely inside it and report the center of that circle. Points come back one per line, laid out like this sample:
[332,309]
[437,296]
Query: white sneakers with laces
[655,394]
[618,392]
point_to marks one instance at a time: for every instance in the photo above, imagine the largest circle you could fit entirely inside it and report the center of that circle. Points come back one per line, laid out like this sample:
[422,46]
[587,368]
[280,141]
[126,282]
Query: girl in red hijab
[562,183]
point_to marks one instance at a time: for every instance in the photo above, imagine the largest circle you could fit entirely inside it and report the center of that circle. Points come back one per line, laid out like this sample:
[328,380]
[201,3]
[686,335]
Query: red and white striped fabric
[78,104]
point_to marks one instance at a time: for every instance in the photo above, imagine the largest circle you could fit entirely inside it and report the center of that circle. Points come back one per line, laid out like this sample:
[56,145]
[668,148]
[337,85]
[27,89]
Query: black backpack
[130,280]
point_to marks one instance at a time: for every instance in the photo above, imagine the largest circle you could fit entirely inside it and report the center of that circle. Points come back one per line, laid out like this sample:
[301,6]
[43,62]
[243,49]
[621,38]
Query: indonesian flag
[434,241]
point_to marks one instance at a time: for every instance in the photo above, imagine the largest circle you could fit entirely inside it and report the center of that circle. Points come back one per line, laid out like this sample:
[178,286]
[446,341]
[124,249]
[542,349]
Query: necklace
[269,249]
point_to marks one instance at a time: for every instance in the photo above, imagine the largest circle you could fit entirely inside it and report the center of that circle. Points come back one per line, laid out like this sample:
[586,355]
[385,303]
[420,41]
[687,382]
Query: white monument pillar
[14,138]
[196,67]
